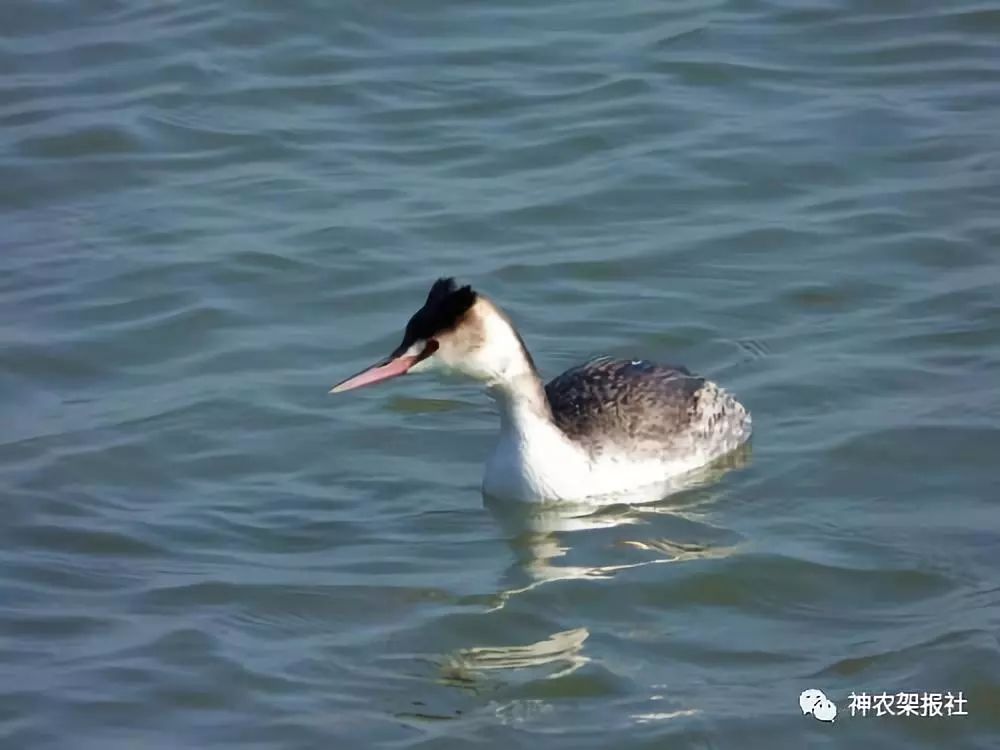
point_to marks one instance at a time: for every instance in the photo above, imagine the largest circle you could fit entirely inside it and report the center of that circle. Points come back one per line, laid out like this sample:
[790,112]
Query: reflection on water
[560,651]
[646,718]
[543,536]
[539,533]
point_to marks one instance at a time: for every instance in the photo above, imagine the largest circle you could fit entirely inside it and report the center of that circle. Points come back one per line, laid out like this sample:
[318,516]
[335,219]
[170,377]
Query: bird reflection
[561,651]
[540,534]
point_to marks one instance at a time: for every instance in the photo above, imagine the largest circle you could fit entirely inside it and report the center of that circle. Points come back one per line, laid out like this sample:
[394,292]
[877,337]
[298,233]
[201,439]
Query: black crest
[446,304]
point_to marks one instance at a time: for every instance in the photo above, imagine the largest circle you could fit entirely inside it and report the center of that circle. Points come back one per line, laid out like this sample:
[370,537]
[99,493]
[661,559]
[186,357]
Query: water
[213,211]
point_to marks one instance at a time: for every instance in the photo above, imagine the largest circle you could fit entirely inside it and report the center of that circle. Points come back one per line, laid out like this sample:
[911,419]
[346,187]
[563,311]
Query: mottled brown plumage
[651,409]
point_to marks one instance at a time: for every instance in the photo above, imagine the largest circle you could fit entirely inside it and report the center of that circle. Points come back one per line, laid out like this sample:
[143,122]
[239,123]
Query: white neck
[512,380]
[533,459]
[521,401]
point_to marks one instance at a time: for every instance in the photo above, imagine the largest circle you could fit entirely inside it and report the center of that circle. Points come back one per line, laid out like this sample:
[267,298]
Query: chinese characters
[908,704]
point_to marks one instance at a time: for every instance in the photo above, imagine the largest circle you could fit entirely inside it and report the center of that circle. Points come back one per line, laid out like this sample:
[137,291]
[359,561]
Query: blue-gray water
[212,211]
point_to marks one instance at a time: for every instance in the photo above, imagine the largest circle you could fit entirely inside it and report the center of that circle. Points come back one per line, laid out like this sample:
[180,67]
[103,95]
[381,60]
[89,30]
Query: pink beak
[389,368]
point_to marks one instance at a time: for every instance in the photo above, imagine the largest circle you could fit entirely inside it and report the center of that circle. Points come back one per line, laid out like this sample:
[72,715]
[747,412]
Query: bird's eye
[430,347]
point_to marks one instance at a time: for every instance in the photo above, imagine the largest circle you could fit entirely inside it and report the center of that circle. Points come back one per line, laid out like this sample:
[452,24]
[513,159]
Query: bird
[606,426]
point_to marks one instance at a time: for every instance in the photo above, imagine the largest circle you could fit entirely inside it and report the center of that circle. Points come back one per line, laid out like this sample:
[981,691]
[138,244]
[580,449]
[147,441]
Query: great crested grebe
[600,428]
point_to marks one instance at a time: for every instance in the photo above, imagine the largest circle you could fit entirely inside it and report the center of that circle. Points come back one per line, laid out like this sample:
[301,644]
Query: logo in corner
[816,703]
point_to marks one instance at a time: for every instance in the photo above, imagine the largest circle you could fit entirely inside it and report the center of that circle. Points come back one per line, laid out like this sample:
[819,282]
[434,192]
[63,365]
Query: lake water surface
[212,211]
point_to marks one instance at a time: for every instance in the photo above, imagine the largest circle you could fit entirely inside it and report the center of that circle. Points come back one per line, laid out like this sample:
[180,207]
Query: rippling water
[213,211]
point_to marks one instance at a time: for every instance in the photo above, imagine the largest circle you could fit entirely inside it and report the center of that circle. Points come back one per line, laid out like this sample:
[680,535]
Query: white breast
[535,462]
[540,464]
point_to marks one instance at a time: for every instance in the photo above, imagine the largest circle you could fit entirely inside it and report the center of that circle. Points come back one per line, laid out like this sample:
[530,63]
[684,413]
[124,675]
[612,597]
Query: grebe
[600,428]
